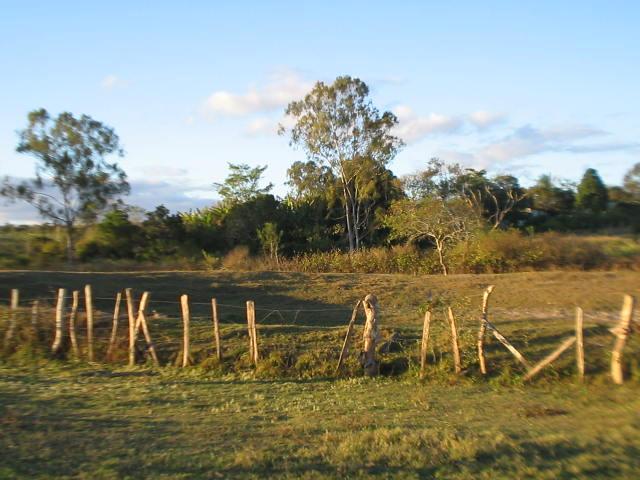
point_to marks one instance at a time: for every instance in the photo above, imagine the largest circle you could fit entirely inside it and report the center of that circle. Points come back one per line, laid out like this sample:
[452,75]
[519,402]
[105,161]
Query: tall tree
[73,181]
[242,184]
[592,193]
[338,126]
[632,182]
[551,198]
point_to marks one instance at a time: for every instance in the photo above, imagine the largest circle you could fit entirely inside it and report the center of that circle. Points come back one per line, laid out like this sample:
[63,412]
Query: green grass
[291,417]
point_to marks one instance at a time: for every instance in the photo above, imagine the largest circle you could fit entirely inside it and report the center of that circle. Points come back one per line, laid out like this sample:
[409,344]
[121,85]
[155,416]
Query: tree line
[342,196]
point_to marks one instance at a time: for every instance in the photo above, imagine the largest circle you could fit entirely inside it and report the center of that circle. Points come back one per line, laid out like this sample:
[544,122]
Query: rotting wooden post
[424,346]
[13,306]
[57,340]
[579,343]
[216,328]
[132,326]
[454,341]
[72,324]
[184,302]
[621,332]
[88,298]
[370,335]
[553,356]
[347,338]
[114,326]
[141,323]
[483,328]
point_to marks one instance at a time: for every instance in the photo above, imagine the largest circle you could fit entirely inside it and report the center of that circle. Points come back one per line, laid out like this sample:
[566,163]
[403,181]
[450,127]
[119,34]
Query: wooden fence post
[72,324]
[141,322]
[13,306]
[132,326]
[370,335]
[216,328]
[57,340]
[88,297]
[454,342]
[424,346]
[184,302]
[549,358]
[253,333]
[114,326]
[347,338]
[483,328]
[579,343]
[621,332]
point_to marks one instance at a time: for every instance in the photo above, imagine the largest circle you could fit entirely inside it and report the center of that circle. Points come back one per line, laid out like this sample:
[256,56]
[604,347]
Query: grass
[291,417]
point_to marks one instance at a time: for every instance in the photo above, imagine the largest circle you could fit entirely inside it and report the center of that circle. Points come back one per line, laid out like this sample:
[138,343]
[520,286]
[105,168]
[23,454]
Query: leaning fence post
[552,357]
[88,297]
[483,328]
[216,328]
[132,326]
[621,332]
[454,341]
[114,327]
[579,343]
[57,340]
[345,345]
[72,324]
[141,322]
[184,302]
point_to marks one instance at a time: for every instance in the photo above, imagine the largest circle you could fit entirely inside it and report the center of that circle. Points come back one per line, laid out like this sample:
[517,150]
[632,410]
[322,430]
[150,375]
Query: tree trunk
[70,243]
[347,208]
[439,248]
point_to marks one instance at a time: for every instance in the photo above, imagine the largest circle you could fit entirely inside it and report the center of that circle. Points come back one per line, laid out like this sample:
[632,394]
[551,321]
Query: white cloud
[412,127]
[282,88]
[112,81]
[483,119]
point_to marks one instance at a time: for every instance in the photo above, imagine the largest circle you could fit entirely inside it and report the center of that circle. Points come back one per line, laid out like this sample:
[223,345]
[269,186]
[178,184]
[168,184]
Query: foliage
[592,194]
[73,180]
[242,184]
[632,182]
[338,126]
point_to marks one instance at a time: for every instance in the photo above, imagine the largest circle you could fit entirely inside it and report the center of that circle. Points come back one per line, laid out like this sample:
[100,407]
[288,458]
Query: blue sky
[515,87]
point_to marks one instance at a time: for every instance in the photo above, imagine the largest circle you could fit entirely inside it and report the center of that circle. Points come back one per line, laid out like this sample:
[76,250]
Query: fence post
[216,328]
[114,328]
[454,341]
[426,326]
[13,306]
[253,334]
[141,322]
[184,302]
[345,345]
[579,343]
[72,324]
[553,356]
[370,335]
[132,326]
[88,297]
[621,332]
[57,340]
[483,328]
[35,313]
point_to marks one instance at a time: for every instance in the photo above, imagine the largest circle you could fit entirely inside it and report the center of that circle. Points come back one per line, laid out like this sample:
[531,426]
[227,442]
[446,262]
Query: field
[293,417]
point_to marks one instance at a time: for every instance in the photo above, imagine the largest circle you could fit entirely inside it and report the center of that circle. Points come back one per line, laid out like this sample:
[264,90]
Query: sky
[525,88]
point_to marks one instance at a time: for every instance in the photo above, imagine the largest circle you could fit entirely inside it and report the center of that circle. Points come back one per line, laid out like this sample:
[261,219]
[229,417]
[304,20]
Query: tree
[270,238]
[592,193]
[73,181]
[632,182]
[550,198]
[443,222]
[242,184]
[338,126]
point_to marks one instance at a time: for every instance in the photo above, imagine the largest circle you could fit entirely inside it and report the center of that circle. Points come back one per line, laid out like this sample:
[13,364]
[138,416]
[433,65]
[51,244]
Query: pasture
[292,416]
